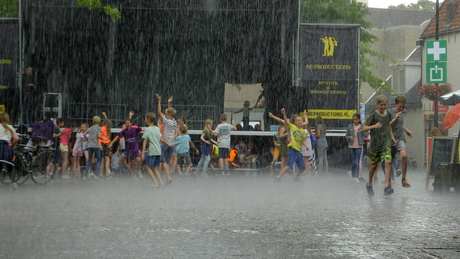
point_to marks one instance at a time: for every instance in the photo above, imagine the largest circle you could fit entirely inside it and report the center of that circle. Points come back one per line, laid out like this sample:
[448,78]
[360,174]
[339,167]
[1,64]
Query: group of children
[387,138]
[167,145]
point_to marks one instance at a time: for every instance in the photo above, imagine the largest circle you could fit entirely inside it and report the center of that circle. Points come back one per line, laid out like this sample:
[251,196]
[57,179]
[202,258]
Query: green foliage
[9,8]
[114,13]
[342,11]
[421,5]
[90,4]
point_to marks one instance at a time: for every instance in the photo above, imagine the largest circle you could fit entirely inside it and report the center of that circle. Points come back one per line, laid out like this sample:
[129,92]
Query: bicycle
[34,162]
[42,169]
[18,171]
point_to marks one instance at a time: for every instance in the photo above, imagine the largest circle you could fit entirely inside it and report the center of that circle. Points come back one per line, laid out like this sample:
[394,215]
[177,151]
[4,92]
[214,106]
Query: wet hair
[183,129]
[435,132]
[96,120]
[151,117]
[108,126]
[319,120]
[182,119]
[381,98]
[128,119]
[246,103]
[358,116]
[280,127]
[206,130]
[4,119]
[400,99]
[223,117]
[309,128]
[171,112]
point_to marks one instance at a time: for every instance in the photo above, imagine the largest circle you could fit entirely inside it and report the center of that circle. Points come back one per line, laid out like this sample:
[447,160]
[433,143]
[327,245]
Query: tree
[342,11]
[421,5]
[114,13]
[9,9]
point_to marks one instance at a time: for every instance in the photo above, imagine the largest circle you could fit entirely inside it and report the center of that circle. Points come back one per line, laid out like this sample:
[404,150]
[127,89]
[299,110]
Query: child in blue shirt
[183,143]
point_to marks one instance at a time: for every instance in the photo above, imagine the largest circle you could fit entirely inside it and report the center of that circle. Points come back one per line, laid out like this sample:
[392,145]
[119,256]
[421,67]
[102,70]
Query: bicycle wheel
[21,175]
[42,168]
[4,174]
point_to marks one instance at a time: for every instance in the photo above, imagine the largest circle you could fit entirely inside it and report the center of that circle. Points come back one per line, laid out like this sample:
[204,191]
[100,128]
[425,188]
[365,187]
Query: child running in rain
[152,158]
[399,130]
[130,133]
[222,132]
[298,138]
[168,136]
[283,140]
[183,144]
[382,137]
[245,111]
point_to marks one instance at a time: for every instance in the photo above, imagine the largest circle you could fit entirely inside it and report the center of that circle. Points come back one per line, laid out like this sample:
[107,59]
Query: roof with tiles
[449,19]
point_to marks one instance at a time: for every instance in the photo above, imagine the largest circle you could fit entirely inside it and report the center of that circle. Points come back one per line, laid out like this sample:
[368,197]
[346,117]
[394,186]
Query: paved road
[232,217]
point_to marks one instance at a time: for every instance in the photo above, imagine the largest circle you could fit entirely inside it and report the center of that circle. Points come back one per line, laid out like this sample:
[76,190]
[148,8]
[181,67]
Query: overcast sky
[386,3]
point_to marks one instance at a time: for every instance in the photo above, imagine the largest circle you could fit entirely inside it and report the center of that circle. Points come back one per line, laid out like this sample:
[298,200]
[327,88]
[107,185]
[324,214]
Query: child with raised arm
[245,111]
[168,136]
[183,143]
[130,134]
[382,136]
[222,132]
[152,158]
[94,134]
[298,138]
[106,126]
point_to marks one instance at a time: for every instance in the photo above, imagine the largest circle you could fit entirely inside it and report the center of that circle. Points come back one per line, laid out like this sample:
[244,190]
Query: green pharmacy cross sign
[436,61]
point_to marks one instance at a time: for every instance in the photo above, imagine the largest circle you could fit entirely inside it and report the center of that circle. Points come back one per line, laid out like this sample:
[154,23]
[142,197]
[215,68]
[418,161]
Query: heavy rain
[223,129]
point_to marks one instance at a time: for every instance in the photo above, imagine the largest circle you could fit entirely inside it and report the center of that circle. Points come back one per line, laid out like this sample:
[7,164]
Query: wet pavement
[230,217]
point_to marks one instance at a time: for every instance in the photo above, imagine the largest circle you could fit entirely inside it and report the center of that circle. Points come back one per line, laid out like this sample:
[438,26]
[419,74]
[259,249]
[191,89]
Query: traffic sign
[436,72]
[436,50]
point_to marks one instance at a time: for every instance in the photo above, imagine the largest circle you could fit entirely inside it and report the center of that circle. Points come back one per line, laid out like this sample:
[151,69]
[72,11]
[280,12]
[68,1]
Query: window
[399,80]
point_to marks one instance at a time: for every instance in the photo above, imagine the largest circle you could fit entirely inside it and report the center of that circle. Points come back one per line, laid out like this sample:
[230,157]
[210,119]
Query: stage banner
[329,62]
[9,53]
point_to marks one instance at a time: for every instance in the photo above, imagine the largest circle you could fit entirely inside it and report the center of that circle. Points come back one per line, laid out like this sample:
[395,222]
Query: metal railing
[84,112]
[196,115]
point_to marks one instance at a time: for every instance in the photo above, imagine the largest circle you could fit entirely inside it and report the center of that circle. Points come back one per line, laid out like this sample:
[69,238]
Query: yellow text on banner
[331,114]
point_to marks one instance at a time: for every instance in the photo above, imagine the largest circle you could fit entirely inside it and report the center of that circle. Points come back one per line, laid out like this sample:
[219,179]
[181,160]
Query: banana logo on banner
[329,44]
